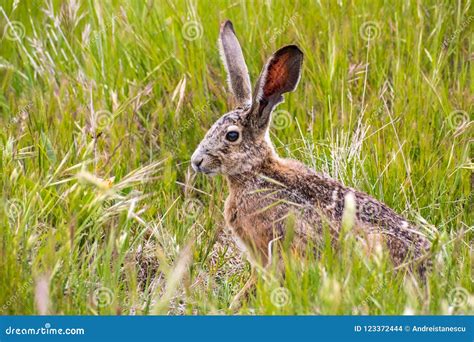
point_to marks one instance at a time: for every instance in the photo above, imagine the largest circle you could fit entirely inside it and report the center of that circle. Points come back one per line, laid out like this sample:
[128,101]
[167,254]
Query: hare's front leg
[250,230]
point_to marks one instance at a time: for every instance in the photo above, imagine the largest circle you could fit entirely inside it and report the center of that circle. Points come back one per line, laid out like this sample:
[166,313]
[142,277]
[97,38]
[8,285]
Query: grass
[102,104]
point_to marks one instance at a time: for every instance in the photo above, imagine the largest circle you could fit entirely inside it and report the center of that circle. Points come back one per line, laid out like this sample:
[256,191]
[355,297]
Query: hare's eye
[232,136]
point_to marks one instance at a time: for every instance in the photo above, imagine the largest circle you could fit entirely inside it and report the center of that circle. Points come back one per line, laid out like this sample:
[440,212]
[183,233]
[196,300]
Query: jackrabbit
[265,189]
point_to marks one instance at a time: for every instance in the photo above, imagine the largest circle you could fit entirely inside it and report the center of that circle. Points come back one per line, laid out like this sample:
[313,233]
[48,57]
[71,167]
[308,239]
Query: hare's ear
[280,75]
[233,59]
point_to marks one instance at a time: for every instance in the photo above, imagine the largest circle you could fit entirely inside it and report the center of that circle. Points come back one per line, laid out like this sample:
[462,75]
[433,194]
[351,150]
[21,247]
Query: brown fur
[265,189]
[259,202]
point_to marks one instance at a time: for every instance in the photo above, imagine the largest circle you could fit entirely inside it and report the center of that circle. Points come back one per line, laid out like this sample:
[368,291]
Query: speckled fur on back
[265,189]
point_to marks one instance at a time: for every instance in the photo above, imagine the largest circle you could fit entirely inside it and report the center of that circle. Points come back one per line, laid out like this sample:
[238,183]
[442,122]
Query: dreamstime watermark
[22,112]
[97,33]
[371,209]
[458,119]
[175,135]
[102,119]
[377,290]
[18,294]
[192,30]
[456,33]
[46,330]
[14,208]
[275,33]
[458,297]
[280,297]
[103,296]
[369,30]
[192,207]
[14,30]
[281,119]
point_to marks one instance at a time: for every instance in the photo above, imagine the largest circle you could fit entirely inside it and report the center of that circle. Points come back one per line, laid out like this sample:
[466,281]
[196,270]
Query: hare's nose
[196,163]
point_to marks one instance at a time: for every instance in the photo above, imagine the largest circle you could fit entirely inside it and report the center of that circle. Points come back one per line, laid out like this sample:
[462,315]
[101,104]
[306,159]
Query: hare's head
[239,141]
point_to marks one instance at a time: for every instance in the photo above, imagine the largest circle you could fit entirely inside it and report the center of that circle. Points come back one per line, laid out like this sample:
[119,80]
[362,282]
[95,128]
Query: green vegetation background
[102,104]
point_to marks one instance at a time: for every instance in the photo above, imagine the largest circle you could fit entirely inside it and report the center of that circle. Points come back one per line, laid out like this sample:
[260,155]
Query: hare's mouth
[208,172]
[204,170]
[205,163]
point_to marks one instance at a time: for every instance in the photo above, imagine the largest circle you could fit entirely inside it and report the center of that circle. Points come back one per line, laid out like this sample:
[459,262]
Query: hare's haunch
[265,189]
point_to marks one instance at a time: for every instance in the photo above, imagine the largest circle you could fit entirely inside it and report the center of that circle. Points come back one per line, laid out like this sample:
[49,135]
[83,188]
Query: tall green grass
[102,104]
